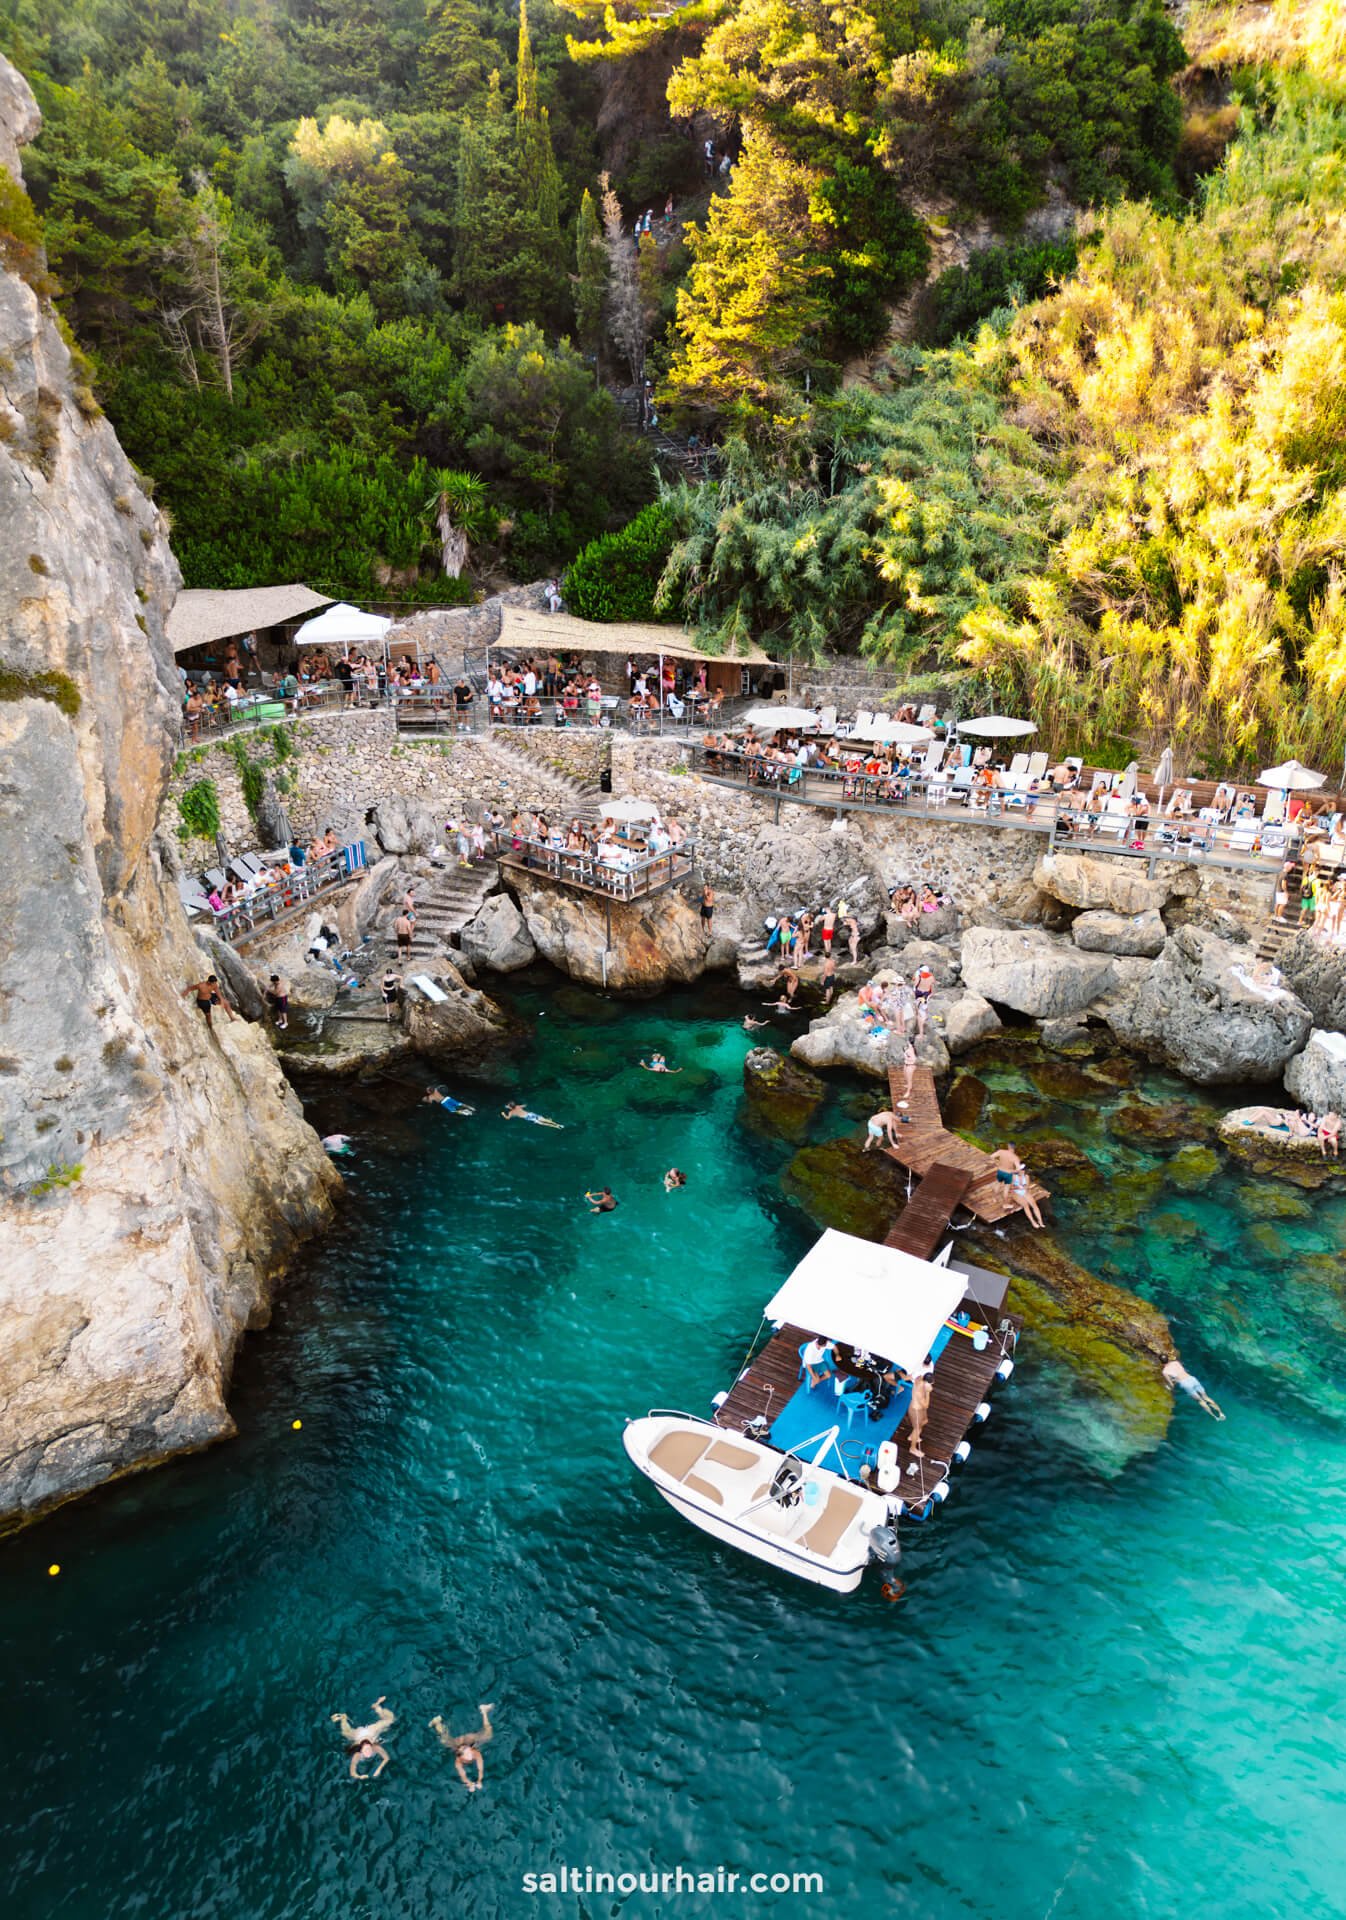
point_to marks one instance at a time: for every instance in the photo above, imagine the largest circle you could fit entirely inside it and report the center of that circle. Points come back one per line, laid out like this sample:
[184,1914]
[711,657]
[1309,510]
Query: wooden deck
[924,1221]
[928,1148]
[962,1380]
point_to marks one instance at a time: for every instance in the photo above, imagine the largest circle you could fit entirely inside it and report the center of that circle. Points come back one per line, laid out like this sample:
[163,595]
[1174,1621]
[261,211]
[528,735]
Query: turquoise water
[1108,1692]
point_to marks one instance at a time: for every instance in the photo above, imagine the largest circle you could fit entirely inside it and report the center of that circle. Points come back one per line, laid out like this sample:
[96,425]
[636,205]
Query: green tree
[591,275]
[456,58]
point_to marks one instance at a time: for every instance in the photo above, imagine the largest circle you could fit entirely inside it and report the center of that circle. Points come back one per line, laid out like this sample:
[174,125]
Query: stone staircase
[533,784]
[444,906]
[1277,933]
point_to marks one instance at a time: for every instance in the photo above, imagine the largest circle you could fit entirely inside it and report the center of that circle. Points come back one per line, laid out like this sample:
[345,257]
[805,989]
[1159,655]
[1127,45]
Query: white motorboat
[807,1467]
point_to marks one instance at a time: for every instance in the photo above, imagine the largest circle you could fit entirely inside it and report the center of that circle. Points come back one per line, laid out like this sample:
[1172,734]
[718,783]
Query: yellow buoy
[53,1568]
[297,1424]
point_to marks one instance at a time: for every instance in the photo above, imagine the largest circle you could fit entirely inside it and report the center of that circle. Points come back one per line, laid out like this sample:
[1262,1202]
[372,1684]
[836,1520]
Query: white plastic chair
[1018,765]
[827,720]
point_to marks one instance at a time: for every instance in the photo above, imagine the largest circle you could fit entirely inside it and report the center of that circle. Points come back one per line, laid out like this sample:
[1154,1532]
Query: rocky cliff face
[154,1175]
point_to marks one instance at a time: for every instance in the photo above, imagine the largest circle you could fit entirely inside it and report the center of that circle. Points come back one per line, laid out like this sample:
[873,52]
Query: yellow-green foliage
[1191,379]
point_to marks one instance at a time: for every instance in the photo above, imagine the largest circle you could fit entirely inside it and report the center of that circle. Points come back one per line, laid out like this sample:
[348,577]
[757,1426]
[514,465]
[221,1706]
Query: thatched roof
[200,614]
[533,630]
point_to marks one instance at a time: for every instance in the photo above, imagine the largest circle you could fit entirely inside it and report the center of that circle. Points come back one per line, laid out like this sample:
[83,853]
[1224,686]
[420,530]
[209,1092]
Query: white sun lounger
[427,986]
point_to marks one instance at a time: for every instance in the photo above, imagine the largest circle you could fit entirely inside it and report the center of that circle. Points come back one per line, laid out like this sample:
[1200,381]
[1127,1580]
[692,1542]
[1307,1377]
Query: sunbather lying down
[1277,1120]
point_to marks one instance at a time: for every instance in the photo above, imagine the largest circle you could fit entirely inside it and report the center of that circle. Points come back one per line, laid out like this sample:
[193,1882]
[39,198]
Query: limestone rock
[1196,1012]
[1316,1078]
[465,1028]
[1317,975]
[1033,972]
[405,826]
[496,937]
[154,1175]
[20,120]
[1101,931]
[1068,1035]
[943,964]
[655,943]
[782,1097]
[1268,1152]
[1093,881]
[839,1038]
[967,1019]
[234,973]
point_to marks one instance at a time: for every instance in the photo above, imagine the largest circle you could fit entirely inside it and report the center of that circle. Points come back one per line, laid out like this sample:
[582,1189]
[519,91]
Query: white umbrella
[898,733]
[1163,774]
[343,626]
[1290,778]
[628,809]
[774,717]
[996,726]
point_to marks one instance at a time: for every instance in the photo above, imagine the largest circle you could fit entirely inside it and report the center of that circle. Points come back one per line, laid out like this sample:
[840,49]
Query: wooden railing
[640,876]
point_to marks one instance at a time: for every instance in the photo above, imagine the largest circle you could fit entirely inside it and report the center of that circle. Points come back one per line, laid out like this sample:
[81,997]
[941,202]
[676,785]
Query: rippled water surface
[1106,1693]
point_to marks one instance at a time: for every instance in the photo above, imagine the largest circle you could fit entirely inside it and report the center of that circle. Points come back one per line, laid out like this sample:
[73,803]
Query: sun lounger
[426,985]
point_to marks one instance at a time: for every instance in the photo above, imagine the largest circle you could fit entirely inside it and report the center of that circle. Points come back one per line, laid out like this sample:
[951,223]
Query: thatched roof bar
[532,630]
[203,614]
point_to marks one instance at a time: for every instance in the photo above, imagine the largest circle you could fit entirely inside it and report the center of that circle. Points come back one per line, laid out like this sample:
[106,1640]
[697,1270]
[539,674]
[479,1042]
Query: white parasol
[997,726]
[897,733]
[629,809]
[343,626]
[773,717]
[1290,778]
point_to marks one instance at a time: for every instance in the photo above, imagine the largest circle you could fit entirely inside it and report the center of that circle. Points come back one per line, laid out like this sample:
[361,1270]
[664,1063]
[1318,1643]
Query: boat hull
[841,1572]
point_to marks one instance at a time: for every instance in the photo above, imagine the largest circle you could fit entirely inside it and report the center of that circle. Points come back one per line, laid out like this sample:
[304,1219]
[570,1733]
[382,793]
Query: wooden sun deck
[928,1148]
[962,1381]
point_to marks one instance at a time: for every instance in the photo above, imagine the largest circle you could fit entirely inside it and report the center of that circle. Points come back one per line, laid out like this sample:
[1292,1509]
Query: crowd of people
[1297,1124]
[1320,890]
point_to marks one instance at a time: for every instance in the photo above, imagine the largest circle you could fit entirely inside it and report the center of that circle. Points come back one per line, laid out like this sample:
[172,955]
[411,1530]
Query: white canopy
[773,717]
[343,626]
[997,726]
[1290,778]
[869,1296]
[628,809]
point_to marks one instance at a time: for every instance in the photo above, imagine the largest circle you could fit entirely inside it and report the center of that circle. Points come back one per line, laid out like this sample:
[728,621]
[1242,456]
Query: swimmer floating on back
[436,1097]
[657,1064]
[515,1112]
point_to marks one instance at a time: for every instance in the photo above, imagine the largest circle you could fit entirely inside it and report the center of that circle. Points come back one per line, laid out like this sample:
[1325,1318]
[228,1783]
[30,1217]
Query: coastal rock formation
[840,1038]
[1267,1150]
[1196,1010]
[464,1028]
[1099,930]
[1033,972]
[1316,1078]
[496,937]
[1093,881]
[402,825]
[839,1185]
[967,1019]
[1318,976]
[156,1173]
[781,1096]
[655,943]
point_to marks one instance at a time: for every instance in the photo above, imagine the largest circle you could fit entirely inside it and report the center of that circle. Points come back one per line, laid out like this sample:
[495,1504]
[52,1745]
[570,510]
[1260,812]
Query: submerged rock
[1049,1152]
[1113,1342]
[839,1185]
[781,1096]
[1153,1122]
[963,1103]
[1193,1167]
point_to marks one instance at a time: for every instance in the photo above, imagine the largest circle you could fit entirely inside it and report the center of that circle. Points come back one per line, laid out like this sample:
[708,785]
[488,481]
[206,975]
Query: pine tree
[539,182]
[456,57]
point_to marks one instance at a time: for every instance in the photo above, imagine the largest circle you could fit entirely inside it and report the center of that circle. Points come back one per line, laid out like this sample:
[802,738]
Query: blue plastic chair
[853,1400]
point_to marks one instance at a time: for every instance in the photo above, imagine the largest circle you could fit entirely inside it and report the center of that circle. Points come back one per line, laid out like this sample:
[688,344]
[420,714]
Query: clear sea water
[1112,1689]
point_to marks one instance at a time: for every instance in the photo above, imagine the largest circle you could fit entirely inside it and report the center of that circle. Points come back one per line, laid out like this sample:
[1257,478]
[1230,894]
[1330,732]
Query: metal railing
[632,877]
[273,899]
[1063,818]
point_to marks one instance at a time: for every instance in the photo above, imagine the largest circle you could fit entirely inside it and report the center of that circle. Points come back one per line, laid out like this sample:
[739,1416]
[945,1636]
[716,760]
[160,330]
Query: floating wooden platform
[926,1147]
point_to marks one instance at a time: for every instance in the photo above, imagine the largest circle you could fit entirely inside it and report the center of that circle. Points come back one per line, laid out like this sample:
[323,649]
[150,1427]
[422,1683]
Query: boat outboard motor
[884,1545]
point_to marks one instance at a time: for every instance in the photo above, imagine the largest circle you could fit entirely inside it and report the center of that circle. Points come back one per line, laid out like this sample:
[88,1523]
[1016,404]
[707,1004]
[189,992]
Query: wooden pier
[928,1148]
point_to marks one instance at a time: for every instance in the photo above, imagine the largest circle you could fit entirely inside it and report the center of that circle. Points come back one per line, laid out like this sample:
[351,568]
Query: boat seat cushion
[695,1484]
[678,1452]
[836,1516]
[737,1458]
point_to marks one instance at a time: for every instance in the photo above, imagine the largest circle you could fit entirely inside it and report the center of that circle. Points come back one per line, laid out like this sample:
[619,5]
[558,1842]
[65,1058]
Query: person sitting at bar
[816,1359]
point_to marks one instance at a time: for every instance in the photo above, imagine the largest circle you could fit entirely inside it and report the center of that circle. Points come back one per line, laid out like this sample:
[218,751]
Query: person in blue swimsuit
[515,1112]
[436,1097]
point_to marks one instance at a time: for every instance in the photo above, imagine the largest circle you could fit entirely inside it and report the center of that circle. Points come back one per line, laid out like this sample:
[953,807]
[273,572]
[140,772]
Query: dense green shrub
[617,576]
[199,811]
[998,277]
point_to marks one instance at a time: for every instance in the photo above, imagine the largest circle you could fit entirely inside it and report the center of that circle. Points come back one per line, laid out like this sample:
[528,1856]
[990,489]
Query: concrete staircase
[1276,933]
[444,906]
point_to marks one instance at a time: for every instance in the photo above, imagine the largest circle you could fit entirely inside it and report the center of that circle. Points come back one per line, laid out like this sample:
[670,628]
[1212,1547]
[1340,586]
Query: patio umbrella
[774,717]
[628,809]
[997,726]
[1290,778]
[899,733]
[1163,774]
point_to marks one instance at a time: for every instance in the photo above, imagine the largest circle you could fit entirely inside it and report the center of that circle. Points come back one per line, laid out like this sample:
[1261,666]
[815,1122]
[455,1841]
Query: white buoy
[981,1413]
[719,1399]
[963,1450]
[1004,1370]
[942,1492]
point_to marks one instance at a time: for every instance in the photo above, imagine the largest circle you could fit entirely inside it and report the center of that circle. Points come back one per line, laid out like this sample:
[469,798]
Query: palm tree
[461,515]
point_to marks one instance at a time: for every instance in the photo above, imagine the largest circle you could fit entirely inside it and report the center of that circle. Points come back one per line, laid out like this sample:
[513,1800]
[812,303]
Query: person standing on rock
[278,994]
[404,927]
[707,909]
[828,978]
[827,931]
[209,996]
[922,991]
[908,1073]
[390,989]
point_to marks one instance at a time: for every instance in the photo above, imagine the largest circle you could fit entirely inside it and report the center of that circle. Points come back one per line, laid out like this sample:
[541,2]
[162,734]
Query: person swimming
[515,1112]
[336,1143]
[466,1747]
[364,1743]
[657,1064]
[601,1201]
[673,1179]
[436,1097]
